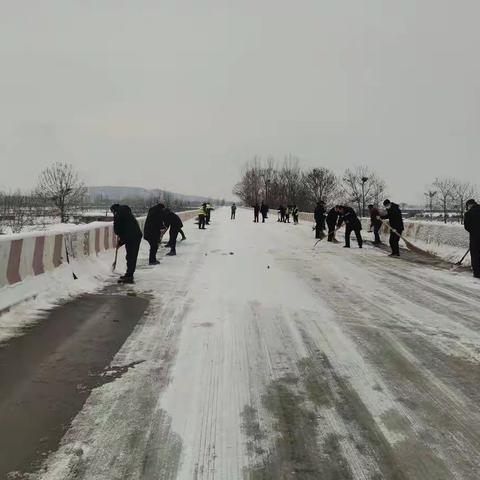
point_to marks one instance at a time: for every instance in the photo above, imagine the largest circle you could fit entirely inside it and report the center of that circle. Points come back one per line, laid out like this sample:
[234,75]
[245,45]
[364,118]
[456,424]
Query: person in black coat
[319,216]
[375,223]
[174,222]
[256,212]
[332,220]
[348,216]
[395,219]
[128,231]
[264,211]
[154,226]
[472,226]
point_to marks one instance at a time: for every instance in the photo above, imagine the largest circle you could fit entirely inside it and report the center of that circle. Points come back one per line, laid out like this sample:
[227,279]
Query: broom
[409,244]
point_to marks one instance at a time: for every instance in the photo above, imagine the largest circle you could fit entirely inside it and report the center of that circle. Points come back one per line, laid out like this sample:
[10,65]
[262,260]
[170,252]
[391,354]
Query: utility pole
[364,181]
[431,194]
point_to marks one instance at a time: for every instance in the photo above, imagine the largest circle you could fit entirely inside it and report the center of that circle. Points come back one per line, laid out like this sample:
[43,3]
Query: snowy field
[261,357]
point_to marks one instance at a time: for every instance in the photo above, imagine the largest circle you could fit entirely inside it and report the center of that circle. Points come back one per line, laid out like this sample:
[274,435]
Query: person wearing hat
[128,231]
[472,226]
[395,219]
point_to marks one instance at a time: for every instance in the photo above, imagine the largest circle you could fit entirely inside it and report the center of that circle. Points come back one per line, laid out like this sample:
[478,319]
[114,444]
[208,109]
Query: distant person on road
[256,212]
[283,214]
[319,216]
[288,212]
[264,212]
[375,223]
[209,209]
[234,212]
[472,226]
[332,220]
[128,231]
[202,216]
[295,214]
[395,219]
[348,216]
[154,228]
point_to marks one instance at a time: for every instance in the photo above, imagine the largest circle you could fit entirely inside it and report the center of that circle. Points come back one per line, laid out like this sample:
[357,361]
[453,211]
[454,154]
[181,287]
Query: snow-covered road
[262,358]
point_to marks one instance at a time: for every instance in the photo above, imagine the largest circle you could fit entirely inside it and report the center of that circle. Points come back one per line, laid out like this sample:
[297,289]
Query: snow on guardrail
[35,253]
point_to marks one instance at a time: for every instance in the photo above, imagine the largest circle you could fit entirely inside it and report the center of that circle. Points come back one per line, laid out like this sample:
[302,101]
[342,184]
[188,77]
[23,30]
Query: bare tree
[320,184]
[17,211]
[461,192]
[431,194]
[445,189]
[362,187]
[251,187]
[61,184]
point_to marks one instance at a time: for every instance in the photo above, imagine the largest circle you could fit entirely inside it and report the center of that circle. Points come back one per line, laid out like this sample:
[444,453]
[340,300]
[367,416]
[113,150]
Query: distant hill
[121,193]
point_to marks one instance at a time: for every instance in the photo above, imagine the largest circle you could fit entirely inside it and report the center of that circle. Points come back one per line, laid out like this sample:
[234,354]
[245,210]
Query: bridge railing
[36,253]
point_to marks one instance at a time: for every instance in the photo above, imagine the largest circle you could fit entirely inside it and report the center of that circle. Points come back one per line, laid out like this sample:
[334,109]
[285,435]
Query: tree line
[449,195]
[61,195]
[286,183]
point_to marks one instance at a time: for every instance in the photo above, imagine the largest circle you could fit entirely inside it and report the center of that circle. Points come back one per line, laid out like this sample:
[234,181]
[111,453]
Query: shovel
[463,258]
[114,264]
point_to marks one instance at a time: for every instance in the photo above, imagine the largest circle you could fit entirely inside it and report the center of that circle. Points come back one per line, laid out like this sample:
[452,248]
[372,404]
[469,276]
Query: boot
[126,280]
[171,253]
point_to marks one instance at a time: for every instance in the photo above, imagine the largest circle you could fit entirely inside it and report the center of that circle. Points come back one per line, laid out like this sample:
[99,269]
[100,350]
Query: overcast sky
[179,94]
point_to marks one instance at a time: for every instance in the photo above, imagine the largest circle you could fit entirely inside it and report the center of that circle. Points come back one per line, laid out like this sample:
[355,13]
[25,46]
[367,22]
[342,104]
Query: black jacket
[319,214]
[472,221]
[125,225]
[349,217]
[394,217]
[332,217]
[154,223]
[172,220]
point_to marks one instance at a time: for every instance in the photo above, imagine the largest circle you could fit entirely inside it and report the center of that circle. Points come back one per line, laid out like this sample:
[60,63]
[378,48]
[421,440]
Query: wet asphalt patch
[47,374]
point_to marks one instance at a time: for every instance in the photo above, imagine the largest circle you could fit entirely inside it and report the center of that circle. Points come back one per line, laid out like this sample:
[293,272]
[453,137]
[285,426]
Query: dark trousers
[295,218]
[173,238]
[319,228]
[287,218]
[233,216]
[256,217]
[376,232]
[331,232]
[132,247]
[395,243]
[182,234]
[358,233]
[264,216]
[201,222]
[153,250]
[207,219]
[475,255]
